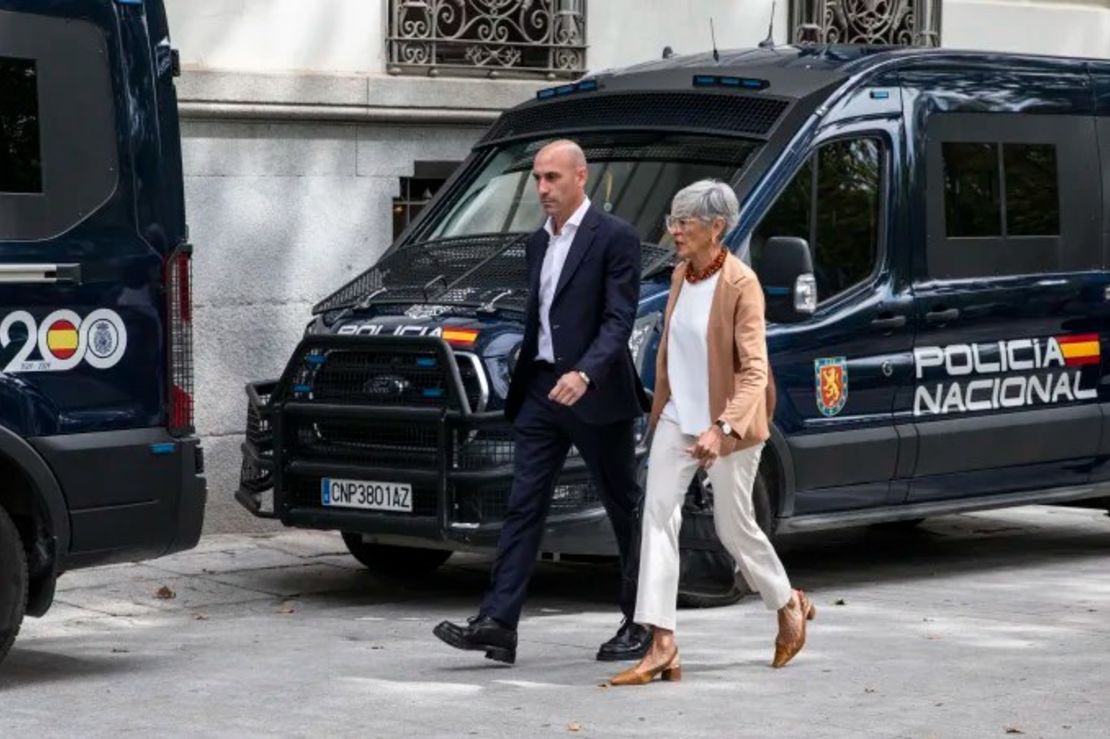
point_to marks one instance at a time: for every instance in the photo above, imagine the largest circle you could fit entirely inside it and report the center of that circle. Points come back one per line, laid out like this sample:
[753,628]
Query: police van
[98,462]
[932,234]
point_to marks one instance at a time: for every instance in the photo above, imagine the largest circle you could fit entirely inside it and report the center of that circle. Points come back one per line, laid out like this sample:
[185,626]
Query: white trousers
[670,469]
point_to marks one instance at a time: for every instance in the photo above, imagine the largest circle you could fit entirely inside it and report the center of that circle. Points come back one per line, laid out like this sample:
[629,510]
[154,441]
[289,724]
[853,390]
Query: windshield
[631,175]
[471,250]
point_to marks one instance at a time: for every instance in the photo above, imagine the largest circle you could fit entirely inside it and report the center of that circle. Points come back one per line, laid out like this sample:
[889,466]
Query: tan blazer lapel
[721,350]
[662,382]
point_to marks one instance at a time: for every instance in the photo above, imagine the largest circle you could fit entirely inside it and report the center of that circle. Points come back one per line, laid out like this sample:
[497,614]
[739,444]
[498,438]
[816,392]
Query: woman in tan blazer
[712,408]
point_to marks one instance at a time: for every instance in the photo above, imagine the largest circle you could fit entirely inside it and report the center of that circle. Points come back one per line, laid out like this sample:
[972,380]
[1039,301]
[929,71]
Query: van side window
[995,201]
[59,145]
[972,190]
[834,203]
[1032,190]
[1000,190]
[20,163]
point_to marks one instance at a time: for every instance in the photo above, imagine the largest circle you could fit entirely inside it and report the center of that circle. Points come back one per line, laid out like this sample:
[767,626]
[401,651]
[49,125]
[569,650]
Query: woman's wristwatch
[724,427]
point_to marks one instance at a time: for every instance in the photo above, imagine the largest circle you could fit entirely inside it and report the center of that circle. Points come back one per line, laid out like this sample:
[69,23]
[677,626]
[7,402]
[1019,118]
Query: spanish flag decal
[460,336]
[1080,349]
[62,339]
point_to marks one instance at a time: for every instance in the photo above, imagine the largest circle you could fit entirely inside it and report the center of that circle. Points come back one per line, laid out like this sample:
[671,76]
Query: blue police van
[98,462]
[932,231]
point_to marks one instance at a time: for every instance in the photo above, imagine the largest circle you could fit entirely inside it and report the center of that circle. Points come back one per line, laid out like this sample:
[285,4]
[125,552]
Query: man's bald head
[564,148]
[560,170]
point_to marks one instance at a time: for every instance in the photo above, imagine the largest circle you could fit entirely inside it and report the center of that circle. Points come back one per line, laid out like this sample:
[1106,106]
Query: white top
[558,245]
[688,357]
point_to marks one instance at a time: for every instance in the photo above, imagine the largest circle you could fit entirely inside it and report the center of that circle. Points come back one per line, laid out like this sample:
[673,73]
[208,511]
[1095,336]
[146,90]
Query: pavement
[990,624]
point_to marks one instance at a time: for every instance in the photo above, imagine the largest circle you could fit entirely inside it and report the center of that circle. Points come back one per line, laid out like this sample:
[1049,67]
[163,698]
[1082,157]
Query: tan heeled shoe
[786,651]
[670,670]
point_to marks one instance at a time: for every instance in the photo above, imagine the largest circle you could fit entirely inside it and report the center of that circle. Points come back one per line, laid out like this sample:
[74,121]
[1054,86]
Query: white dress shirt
[554,258]
[688,356]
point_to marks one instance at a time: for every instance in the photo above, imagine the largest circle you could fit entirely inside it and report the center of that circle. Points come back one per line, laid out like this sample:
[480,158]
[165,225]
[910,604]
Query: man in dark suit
[574,383]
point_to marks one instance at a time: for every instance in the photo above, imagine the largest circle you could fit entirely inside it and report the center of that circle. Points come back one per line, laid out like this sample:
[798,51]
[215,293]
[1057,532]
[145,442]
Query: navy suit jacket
[595,305]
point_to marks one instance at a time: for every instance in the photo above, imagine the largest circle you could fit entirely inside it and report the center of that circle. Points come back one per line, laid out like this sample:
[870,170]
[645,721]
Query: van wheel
[13,582]
[707,576]
[394,562]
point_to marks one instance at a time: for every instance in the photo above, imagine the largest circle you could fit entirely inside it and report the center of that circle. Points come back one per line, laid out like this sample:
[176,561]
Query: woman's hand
[708,446]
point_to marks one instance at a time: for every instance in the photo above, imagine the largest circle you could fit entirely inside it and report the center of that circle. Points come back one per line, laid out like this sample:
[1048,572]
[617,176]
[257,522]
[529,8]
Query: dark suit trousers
[543,432]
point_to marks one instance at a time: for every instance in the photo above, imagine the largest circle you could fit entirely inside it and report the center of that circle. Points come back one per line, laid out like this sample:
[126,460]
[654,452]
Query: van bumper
[131,495]
[459,463]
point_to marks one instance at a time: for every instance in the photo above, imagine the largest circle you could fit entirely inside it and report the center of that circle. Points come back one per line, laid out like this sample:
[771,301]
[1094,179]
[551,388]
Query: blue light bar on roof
[568,89]
[736,83]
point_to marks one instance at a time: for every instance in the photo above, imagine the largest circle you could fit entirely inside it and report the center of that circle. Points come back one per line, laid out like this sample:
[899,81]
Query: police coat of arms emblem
[832,384]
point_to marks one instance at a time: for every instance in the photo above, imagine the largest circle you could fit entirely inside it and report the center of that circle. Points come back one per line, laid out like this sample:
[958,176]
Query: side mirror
[786,270]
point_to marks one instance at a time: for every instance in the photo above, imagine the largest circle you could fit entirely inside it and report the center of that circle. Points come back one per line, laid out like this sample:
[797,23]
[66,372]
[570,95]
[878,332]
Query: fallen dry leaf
[574,727]
[840,602]
[1013,730]
[164,593]
[286,608]
[200,616]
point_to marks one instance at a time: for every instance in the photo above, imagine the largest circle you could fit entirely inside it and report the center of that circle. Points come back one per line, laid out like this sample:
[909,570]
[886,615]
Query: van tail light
[179,334]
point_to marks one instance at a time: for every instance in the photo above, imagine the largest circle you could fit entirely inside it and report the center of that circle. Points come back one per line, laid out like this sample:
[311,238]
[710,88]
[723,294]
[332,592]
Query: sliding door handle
[888,322]
[942,316]
[40,274]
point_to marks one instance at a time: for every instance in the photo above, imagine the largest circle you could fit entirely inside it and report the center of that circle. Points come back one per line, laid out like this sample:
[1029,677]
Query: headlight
[642,332]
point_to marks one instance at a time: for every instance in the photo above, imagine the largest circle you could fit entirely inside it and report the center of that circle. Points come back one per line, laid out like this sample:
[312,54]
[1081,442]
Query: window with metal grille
[519,38]
[890,23]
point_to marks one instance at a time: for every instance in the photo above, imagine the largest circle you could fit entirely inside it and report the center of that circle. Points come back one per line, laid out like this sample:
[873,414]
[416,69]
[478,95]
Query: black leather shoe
[631,642]
[481,634]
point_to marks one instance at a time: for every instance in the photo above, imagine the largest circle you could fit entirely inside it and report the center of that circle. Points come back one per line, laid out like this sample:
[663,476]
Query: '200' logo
[64,340]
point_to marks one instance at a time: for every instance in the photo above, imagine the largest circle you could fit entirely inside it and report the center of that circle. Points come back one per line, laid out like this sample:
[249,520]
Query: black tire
[707,576]
[13,583]
[394,562]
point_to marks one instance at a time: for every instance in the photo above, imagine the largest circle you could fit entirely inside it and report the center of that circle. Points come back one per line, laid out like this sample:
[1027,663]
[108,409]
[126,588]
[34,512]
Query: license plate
[374,496]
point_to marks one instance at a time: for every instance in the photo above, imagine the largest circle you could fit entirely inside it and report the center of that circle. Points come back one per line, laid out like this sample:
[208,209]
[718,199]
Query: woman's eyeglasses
[675,223]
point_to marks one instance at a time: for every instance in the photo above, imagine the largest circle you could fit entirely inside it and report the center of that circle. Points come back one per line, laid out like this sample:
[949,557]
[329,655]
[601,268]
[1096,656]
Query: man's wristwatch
[584,376]
[725,428]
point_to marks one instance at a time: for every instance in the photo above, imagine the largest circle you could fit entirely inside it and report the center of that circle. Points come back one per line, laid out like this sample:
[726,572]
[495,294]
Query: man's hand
[568,390]
[708,446]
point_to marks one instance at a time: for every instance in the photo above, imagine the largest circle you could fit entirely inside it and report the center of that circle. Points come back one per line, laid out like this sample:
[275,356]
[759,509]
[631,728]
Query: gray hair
[707,199]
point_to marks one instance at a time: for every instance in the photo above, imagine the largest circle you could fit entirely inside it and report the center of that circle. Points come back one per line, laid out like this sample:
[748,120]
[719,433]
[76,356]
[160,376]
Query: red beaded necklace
[693,275]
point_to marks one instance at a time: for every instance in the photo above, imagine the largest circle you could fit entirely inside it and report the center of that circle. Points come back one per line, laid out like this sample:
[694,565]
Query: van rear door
[1101,77]
[93,273]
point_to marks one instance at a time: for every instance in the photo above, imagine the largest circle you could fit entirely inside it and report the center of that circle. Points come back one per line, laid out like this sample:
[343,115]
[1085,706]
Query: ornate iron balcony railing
[520,38]
[879,22]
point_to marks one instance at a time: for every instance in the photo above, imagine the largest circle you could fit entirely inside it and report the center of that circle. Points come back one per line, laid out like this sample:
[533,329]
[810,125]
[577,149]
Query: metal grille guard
[458,494]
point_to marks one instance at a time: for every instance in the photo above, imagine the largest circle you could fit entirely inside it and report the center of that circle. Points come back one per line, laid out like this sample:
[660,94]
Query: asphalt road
[980,625]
